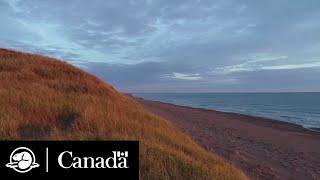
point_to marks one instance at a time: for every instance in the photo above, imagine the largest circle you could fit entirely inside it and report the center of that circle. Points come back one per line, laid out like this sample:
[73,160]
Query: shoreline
[311,129]
[263,148]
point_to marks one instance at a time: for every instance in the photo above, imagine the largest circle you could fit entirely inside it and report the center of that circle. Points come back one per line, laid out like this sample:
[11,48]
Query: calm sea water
[298,108]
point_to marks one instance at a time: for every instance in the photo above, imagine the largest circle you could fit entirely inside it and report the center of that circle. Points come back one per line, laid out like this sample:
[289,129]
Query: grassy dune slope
[43,98]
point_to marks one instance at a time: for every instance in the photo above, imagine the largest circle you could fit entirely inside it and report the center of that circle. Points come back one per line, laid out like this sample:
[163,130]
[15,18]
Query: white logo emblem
[22,160]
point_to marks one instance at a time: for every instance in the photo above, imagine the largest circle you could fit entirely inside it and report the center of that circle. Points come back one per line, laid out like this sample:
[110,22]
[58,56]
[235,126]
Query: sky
[175,45]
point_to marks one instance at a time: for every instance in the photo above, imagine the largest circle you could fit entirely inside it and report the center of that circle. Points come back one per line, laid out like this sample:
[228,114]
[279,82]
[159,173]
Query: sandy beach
[262,148]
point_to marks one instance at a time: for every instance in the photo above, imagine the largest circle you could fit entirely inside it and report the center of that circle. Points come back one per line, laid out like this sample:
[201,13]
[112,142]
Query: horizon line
[221,92]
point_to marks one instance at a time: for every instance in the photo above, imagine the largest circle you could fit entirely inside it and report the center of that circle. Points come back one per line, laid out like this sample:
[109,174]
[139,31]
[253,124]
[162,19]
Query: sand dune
[42,98]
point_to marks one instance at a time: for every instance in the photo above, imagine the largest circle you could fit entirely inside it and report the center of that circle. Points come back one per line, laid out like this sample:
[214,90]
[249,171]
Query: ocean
[298,108]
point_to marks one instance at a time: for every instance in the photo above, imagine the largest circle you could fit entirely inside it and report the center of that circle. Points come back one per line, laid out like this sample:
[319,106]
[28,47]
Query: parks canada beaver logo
[22,160]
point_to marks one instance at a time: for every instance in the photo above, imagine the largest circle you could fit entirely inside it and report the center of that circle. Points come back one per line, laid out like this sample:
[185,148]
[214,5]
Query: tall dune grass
[45,99]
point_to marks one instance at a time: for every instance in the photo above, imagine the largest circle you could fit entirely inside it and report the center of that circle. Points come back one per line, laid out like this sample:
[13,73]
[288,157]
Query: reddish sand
[262,148]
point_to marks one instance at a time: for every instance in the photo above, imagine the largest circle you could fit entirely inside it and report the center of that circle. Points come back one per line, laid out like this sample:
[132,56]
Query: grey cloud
[144,45]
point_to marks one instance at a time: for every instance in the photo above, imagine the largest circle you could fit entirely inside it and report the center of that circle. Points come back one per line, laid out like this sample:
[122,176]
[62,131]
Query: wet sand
[262,148]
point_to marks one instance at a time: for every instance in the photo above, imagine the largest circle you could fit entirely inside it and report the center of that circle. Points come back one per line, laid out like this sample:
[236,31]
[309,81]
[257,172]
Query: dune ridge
[46,99]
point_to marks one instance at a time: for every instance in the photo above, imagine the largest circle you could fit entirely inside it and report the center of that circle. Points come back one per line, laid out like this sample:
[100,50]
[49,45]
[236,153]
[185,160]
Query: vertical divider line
[47,160]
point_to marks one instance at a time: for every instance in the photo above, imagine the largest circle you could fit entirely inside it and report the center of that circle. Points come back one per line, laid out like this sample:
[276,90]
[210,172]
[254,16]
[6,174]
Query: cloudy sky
[175,45]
